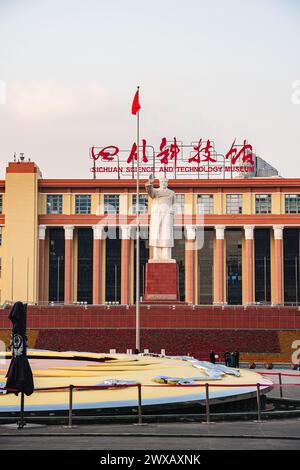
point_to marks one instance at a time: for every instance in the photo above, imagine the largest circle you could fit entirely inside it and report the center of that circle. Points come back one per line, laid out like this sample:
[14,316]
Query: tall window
[234,266]
[143,204]
[178,253]
[262,265]
[292,203]
[54,203]
[113,269]
[291,265]
[56,264]
[205,204]
[111,203]
[206,268]
[234,203]
[179,204]
[85,265]
[83,204]
[263,203]
[1,203]
[144,257]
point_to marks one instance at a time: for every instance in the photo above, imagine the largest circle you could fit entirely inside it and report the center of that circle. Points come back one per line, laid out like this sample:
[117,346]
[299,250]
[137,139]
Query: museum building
[73,240]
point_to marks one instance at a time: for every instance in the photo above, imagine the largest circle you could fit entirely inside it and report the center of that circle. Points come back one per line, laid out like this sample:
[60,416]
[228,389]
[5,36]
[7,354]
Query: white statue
[162,219]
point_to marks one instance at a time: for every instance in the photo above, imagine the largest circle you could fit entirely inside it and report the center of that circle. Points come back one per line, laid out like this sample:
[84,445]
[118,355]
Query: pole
[207,403]
[27,275]
[71,387]
[12,279]
[137,274]
[58,280]
[280,383]
[258,403]
[140,403]
[265,278]
[296,278]
[21,422]
[116,282]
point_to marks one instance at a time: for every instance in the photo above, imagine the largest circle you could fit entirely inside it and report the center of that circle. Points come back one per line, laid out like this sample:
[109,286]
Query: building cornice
[99,185]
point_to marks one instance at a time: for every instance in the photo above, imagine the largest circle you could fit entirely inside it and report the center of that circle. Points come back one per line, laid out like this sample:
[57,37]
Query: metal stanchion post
[280,383]
[70,419]
[140,418]
[207,403]
[258,403]
[140,403]
[21,422]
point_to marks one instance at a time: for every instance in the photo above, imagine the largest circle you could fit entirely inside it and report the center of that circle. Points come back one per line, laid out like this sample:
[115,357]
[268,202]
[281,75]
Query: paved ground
[192,436]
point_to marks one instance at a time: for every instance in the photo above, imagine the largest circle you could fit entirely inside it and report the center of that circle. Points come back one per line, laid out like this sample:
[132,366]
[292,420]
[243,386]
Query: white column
[42,232]
[249,264]
[278,265]
[41,268]
[99,232]
[220,232]
[219,265]
[125,263]
[69,230]
[99,235]
[190,236]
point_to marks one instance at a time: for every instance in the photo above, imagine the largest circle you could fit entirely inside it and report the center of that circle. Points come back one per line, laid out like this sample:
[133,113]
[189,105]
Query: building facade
[67,240]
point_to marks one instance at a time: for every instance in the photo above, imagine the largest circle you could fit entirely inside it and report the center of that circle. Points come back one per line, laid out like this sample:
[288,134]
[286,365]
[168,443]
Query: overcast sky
[213,69]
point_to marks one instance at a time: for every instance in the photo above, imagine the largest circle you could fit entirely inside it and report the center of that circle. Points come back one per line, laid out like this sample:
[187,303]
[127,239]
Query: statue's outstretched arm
[149,187]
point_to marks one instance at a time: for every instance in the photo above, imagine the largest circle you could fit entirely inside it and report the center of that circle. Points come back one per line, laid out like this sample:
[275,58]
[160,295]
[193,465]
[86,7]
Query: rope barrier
[282,375]
[166,385]
[106,387]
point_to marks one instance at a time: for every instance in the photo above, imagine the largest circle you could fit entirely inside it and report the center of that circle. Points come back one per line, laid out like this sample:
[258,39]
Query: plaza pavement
[271,435]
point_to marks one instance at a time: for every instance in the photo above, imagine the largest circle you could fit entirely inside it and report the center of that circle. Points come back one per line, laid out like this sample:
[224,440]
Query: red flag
[135,104]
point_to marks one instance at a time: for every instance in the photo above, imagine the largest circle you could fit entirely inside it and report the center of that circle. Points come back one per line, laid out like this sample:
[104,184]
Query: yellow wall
[276,203]
[247,203]
[218,203]
[67,203]
[21,237]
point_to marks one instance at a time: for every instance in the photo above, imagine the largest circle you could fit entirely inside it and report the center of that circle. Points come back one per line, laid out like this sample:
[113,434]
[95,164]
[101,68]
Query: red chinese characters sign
[173,159]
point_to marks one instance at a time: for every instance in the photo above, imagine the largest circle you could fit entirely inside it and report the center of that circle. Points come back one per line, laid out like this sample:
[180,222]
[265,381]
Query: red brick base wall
[177,316]
[198,343]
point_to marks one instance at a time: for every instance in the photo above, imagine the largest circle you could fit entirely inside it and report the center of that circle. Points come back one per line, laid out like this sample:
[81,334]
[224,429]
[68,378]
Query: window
[83,204]
[111,203]
[143,204]
[234,203]
[54,203]
[0,267]
[292,203]
[206,269]
[0,236]
[262,266]
[205,204]
[1,203]
[263,204]
[234,266]
[179,204]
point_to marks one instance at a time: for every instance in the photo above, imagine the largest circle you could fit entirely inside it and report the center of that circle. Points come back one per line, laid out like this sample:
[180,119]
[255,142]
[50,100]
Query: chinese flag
[135,104]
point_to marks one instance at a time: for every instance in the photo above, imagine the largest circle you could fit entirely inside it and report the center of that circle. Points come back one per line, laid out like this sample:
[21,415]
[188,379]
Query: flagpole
[137,274]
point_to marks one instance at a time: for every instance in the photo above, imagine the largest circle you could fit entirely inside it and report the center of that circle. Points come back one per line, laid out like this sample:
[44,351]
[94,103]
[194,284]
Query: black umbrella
[19,375]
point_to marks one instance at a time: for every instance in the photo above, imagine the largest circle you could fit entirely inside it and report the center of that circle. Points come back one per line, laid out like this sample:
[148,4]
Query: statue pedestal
[162,281]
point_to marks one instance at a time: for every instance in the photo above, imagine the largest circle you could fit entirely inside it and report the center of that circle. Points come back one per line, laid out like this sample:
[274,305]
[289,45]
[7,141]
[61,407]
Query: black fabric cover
[19,375]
